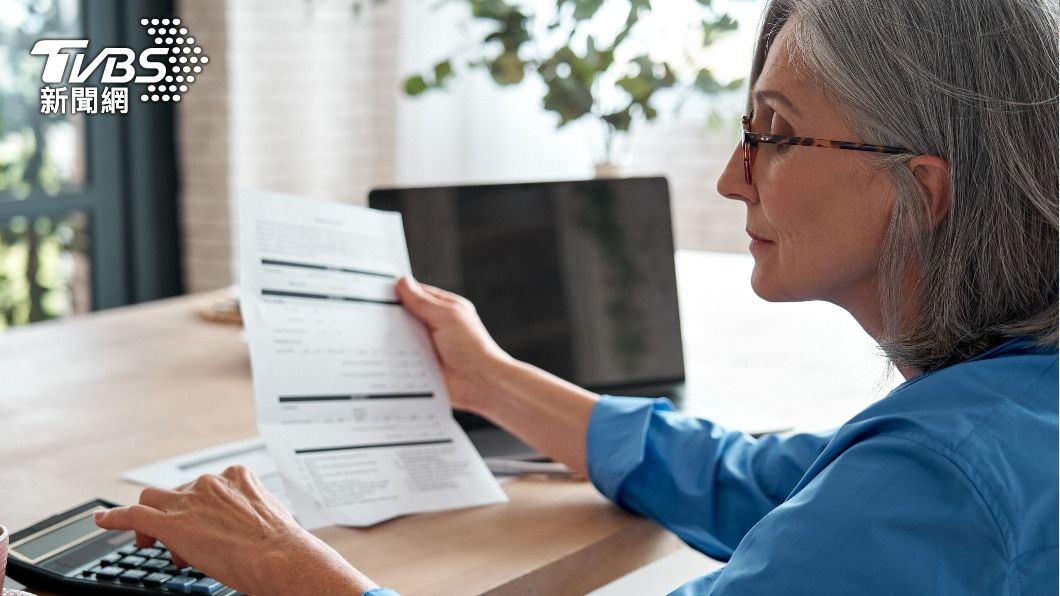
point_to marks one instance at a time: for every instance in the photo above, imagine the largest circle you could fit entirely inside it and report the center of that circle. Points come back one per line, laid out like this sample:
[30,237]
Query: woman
[940,239]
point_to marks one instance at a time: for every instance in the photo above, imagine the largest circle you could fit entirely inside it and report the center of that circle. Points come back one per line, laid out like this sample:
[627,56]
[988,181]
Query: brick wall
[299,97]
[203,153]
[692,156]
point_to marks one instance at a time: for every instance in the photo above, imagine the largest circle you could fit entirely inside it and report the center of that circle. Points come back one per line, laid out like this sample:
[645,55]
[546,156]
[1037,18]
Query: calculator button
[181,583]
[194,573]
[109,572]
[131,562]
[132,576]
[128,549]
[156,579]
[171,569]
[164,555]
[110,559]
[148,553]
[206,585]
[154,565]
[91,571]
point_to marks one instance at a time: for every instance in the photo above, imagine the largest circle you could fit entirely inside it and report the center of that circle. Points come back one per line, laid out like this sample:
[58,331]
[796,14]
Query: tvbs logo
[118,63]
[166,68]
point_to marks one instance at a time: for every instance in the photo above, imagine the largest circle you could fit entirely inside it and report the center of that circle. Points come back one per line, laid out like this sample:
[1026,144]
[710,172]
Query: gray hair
[974,82]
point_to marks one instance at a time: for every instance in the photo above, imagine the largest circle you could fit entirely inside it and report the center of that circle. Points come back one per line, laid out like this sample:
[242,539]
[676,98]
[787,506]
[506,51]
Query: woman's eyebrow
[761,95]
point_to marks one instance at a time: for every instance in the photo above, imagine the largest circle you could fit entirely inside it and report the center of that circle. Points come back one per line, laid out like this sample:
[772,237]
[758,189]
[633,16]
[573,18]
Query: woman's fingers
[178,561]
[443,295]
[158,498]
[141,518]
[145,541]
[417,300]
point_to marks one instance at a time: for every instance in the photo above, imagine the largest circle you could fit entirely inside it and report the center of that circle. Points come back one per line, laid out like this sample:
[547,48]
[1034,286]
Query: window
[87,208]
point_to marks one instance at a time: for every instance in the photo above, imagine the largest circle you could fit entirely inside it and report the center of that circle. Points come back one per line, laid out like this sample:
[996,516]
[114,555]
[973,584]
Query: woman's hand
[548,413]
[470,358]
[234,530]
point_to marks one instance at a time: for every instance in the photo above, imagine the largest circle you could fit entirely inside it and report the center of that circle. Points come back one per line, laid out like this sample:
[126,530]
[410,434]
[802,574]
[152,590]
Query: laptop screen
[576,278]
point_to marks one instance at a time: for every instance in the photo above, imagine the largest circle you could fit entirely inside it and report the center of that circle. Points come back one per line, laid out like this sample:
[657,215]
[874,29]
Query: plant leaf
[620,120]
[712,30]
[507,69]
[706,82]
[585,9]
[442,71]
[568,98]
[415,85]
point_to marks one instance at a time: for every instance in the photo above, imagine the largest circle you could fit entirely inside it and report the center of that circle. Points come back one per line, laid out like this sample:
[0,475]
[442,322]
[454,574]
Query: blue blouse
[948,485]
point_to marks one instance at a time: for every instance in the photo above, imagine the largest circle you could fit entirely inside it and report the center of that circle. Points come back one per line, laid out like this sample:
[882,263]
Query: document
[350,398]
[175,471]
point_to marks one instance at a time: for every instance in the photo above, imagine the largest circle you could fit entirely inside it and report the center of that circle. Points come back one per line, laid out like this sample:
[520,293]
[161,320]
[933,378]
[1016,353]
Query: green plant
[612,76]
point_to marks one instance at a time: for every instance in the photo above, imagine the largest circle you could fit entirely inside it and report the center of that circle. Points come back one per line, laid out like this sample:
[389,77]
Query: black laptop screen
[574,277]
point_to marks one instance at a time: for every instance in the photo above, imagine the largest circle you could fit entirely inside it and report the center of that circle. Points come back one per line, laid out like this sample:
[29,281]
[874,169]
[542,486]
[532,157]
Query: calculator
[69,554]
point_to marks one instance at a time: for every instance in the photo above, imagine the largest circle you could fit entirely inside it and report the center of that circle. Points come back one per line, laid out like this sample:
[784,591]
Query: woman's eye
[777,125]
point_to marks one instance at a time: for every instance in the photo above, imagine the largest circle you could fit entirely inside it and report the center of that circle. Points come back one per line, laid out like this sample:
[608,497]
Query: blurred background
[329,98]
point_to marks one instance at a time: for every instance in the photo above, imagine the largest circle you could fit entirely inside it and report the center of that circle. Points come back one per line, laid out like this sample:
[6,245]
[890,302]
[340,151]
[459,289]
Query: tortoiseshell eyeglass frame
[750,140]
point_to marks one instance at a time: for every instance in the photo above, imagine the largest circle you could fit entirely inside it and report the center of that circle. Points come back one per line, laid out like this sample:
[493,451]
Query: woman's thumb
[413,297]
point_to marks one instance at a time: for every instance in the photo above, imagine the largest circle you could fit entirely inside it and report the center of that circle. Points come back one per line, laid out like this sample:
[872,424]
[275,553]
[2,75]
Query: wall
[299,97]
[203,154]
[303,97]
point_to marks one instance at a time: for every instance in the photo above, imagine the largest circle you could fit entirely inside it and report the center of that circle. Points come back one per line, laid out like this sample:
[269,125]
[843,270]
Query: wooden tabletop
[84,400]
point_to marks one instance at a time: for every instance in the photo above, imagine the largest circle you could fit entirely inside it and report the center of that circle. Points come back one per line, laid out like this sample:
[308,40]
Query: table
[84,400]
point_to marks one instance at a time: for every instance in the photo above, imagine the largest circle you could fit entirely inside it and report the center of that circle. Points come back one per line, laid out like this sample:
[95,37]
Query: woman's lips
[757,241]
[756,237]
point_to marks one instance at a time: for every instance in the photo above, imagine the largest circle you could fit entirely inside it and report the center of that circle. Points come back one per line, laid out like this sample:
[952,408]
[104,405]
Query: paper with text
[175,471]
[350,398]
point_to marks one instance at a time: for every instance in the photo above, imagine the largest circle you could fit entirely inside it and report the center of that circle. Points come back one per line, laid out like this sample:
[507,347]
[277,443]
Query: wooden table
[83,401]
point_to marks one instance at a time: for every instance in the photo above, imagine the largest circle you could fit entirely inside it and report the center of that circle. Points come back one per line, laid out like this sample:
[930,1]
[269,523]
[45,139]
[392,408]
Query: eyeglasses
[750,141]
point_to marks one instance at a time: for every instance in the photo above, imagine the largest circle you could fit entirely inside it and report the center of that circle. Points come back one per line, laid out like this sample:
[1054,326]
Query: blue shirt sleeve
[381,592]
[704,483]
[888,516]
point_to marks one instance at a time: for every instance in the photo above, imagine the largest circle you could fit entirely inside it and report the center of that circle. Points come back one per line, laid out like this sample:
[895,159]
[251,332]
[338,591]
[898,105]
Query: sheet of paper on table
[350,398]
[252,454]
[175,471]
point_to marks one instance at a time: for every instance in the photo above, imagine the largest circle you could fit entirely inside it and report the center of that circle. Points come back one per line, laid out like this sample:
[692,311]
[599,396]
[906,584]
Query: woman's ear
[933,173]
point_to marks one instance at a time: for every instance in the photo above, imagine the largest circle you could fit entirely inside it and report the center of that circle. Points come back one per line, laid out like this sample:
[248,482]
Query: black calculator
[69,554]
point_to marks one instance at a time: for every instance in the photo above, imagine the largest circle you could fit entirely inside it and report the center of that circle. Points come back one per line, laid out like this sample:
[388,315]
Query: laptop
[575,277]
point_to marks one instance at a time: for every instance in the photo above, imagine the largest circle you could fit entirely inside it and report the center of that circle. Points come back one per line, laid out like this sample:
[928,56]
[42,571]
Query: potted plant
[606,76]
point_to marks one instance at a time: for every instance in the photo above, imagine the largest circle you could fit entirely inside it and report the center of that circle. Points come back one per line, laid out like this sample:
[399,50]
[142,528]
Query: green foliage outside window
[43,259]
[43,268]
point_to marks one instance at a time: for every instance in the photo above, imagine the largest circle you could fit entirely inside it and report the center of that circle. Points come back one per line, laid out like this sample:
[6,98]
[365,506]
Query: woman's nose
[732,184]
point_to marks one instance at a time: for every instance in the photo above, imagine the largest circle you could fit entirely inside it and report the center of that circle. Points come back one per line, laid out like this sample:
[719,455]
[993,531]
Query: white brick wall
[313,90]
[692,157]
[203,151]
[299,97]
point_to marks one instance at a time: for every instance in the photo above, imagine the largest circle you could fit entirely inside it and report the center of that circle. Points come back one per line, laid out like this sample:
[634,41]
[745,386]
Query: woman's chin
[768,287]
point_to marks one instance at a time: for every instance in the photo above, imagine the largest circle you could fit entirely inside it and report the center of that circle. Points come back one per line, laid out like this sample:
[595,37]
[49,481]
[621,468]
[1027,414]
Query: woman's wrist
[308,565]
[521,396]
[489,381]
